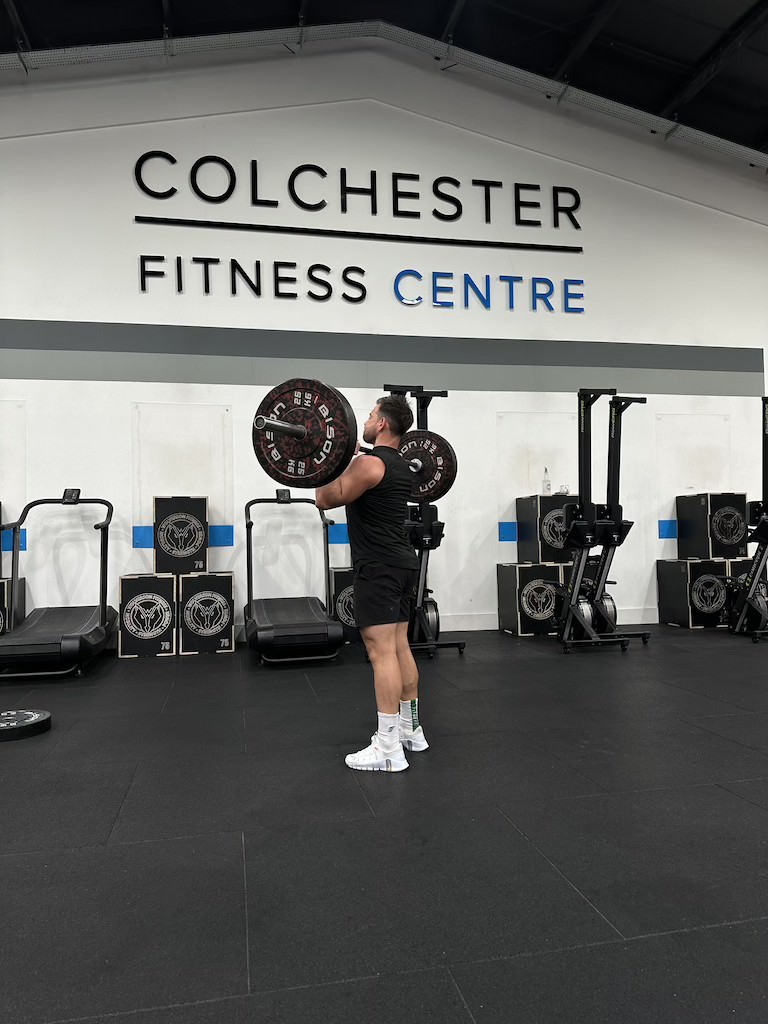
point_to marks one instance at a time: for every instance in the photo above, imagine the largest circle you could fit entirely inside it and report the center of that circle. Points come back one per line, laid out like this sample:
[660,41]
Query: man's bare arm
[363,473]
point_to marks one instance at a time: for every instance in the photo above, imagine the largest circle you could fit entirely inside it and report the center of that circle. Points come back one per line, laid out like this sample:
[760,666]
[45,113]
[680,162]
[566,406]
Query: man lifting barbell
[375,489]
[305,435]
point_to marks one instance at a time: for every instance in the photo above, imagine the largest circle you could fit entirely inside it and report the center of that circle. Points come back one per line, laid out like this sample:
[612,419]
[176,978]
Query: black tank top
[376,521]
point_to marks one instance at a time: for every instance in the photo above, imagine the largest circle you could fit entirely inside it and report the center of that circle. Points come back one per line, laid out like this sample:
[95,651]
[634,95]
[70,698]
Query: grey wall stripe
[123,366]
[88,351]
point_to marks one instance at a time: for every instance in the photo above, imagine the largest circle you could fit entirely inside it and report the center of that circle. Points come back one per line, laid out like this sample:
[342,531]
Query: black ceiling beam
[22,39]
[722,51]
[447,33]
[587,37]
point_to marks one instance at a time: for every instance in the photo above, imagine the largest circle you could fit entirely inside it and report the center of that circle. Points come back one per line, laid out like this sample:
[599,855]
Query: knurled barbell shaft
[413,464]
[280,427]
[304,434]
[294,430]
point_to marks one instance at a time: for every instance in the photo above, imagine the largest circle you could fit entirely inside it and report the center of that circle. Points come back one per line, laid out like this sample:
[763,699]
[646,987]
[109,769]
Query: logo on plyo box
[538,599]
[146,616]
[2,620]
[708,594]
[181,535]
[207,613]
[553,528]
[728,525]
[345,606]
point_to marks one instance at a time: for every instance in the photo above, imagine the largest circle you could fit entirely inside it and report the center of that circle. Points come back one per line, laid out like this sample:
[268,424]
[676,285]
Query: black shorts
[383,593]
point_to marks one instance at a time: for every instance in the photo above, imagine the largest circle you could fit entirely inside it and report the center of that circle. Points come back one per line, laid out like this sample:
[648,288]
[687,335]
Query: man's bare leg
[386,751]
[411,733]
[409,673]
[381,645]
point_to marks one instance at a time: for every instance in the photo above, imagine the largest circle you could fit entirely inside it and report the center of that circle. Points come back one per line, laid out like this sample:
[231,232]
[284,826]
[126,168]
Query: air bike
[587,613]
[746,596]
[56,641]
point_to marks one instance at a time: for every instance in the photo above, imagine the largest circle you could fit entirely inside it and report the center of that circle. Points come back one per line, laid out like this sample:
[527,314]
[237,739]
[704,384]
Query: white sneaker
[413,739]
[374,759]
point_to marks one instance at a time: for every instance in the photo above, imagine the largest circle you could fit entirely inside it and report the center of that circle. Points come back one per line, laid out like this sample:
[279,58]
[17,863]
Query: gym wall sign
[521,207]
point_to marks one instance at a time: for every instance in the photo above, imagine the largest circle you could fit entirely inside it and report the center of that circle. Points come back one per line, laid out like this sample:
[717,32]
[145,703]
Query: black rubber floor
[585,842]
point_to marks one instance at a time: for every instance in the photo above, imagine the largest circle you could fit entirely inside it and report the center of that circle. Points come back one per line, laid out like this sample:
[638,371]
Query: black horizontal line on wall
[369,236]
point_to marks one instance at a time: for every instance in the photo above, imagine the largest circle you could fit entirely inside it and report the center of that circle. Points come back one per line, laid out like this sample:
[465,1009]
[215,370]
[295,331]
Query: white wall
[667,257]
[675,251]
[95,452]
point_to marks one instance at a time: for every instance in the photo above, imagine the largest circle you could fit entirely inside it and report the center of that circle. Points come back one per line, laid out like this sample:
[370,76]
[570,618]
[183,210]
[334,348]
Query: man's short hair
[397,413]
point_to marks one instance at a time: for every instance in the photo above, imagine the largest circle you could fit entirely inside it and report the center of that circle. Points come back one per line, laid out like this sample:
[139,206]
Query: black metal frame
[69,498]
[283,497]
[422,637]
[590,525]
[744,597]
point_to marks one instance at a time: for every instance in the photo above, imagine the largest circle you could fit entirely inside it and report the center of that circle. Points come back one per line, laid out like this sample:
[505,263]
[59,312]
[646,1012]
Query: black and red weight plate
[331,436]
[438,464]
[15,725]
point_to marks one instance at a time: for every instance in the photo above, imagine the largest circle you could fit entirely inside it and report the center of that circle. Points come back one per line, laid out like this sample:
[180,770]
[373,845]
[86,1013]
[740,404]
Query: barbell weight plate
[438,464]
[331,436]
[15,725]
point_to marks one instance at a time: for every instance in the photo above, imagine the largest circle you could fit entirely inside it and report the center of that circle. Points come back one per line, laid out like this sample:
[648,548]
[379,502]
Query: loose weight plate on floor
[15,725]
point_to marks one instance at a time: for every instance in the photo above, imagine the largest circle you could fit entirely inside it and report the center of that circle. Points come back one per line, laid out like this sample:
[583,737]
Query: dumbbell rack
[426,534]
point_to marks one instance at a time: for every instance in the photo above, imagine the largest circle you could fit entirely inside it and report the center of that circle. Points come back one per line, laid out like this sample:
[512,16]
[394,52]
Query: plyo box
[147,616]
[527,597]
[541,528]
[711,525]
[181,535]
[692,593]
[206,613]
[343,602]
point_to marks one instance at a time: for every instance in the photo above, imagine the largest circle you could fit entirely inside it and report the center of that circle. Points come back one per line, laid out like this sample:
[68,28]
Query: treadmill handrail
[103,556]
[60,501]
[249,529]
[277,501]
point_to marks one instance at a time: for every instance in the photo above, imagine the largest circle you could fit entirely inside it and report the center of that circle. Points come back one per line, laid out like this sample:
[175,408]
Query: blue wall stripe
[337,534]
[6,540]
[221,536]
[667,529]
[508,531]
[143,536]
[218,536]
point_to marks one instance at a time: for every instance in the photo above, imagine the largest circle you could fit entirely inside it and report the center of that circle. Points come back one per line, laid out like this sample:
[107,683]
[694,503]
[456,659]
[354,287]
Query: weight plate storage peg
[313,438]
[433,462]
[15,725]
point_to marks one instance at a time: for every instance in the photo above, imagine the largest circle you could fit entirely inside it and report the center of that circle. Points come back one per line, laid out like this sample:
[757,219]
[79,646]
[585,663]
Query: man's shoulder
[369,469]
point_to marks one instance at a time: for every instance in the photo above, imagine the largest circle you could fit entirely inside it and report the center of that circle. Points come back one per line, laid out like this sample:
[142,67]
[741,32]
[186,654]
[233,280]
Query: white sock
[409,714]
[388,735]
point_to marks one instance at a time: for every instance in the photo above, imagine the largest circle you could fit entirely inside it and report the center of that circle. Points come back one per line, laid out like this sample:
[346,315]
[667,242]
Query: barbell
[305,435]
